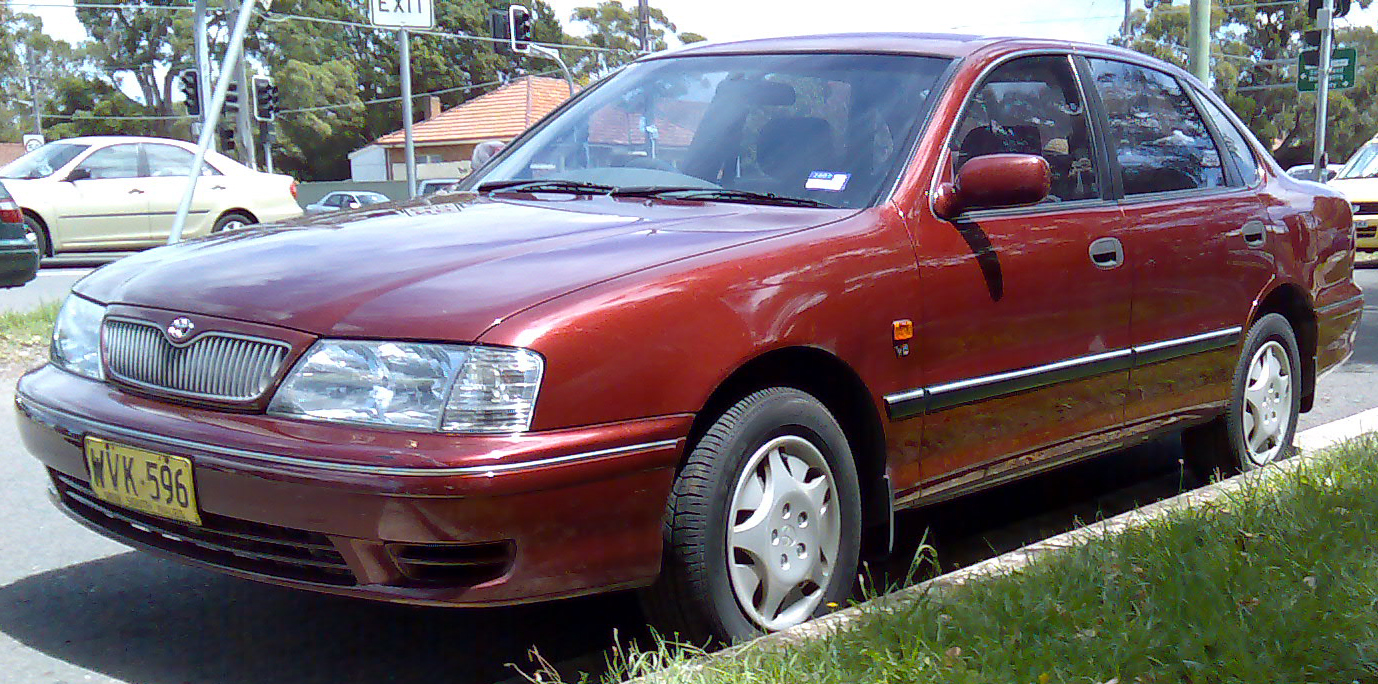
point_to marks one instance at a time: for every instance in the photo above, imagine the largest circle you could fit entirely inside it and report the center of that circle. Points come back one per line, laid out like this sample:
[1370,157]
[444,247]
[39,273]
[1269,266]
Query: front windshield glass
[831,128]
[1364,163]
[42,162]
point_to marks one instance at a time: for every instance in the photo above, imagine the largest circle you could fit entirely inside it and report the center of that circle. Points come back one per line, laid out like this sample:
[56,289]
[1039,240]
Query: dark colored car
[18,251]
[701,330]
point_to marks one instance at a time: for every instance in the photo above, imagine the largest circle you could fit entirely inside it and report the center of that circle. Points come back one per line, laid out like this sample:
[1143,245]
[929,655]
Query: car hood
[1357,189]
[447,268]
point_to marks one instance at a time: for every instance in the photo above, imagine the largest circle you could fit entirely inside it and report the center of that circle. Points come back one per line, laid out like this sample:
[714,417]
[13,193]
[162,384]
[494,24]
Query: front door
[108,209]
[1025,331]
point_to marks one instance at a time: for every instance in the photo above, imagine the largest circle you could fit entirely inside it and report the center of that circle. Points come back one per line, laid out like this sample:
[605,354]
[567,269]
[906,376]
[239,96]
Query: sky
[724,20]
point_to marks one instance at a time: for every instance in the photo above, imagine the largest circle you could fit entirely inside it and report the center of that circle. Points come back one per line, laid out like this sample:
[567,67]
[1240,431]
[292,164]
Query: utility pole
[1324,23]
[404,57]
[1199,41]
[34,94]
[222,86]
[643,25]
[1124,25]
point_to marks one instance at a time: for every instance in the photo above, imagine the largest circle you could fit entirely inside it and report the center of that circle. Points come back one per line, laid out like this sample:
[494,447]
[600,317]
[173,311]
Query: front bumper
[388,515]
[1366,232]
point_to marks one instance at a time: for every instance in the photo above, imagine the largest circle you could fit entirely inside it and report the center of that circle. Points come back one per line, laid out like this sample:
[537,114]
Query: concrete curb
[1309,443]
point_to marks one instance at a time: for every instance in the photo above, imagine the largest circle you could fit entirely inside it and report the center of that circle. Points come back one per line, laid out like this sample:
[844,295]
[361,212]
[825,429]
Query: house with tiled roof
[445,140]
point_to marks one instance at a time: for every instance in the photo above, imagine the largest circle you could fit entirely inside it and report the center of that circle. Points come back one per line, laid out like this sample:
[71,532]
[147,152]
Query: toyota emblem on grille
[180,328]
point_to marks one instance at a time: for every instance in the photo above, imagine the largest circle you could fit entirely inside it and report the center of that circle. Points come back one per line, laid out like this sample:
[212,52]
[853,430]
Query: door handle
[1107,253]
[217,187]
[1255,234]
[136,191]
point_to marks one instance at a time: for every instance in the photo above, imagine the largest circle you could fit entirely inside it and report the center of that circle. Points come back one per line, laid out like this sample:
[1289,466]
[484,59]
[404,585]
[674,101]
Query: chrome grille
[214,365]
[1365,208]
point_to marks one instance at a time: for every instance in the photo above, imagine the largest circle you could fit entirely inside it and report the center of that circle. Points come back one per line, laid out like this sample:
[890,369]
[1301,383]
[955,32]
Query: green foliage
[1272,583]
[1256,44]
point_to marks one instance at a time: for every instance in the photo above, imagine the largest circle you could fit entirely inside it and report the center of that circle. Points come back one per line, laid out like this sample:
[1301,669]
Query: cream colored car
[1358,180]
[112,193]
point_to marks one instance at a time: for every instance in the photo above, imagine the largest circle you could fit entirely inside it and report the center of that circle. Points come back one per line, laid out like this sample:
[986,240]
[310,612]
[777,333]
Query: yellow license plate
[145,481]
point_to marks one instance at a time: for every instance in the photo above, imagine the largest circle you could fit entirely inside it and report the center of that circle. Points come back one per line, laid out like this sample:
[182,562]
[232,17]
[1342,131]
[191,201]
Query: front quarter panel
[660,341]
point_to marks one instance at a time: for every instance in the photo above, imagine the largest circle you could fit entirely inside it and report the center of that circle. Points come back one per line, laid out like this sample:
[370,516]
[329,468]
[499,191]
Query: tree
[1255,46]
[613,26]
[32,63]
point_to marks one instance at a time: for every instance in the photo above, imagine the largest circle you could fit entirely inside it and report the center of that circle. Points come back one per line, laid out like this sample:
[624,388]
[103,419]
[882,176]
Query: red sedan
[701,330]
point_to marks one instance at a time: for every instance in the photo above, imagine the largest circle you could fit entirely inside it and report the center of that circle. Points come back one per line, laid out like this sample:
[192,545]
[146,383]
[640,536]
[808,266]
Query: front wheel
[33,230]
[763,524]
[1265,400]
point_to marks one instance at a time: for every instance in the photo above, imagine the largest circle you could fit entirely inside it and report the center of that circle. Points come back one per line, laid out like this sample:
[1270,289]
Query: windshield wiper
[723,195]
[575,187]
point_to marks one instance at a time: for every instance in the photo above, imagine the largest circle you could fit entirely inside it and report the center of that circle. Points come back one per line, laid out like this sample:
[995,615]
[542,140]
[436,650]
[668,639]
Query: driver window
[119,161]
[1032,106]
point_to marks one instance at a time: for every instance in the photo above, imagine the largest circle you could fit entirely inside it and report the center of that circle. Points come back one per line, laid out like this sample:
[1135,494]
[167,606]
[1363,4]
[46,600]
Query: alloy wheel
[783,533]
[1267,402]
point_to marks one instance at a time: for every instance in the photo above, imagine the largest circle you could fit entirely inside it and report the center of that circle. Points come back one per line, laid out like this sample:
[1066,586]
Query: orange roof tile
[500,115]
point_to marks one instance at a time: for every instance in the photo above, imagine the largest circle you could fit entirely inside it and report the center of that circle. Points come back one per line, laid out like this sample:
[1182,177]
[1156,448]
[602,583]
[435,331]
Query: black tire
[693,600]
[40,235]
[230,218]
[1219,447]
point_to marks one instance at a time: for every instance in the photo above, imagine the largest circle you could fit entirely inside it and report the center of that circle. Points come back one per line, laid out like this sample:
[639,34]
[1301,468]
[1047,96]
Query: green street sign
[1344,64]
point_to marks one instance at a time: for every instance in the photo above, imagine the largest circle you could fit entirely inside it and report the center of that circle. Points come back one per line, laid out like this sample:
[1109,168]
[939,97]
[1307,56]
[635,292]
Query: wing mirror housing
[994,180]
[78,174]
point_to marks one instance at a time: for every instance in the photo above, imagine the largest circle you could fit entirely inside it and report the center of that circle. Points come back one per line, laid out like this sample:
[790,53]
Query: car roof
[951,45]
[109,139]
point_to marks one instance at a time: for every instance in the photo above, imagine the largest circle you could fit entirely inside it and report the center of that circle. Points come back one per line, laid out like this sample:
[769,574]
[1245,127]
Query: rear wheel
[231,221]
[1261,421]
[34,231]
[763,524]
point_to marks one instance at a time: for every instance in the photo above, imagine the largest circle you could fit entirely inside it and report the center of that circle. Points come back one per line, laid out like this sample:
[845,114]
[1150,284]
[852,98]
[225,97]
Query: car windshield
[42,162]
[829,129]
[1364,163]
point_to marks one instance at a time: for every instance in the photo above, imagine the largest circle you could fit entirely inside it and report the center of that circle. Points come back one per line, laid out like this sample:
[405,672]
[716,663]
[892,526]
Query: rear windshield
[42,162]
[832,128]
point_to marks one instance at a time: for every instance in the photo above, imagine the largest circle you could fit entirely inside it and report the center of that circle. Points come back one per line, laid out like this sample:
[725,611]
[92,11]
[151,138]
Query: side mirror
[353,205]
[994,180]
[77,174]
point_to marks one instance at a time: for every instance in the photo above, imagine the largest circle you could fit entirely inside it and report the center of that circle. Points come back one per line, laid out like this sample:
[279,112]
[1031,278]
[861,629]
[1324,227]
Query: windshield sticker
[827,180]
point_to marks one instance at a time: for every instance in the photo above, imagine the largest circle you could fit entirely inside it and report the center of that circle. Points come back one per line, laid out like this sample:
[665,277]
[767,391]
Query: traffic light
[229,114]
[519,22]
[190,82]
[265,99]
[1340,8]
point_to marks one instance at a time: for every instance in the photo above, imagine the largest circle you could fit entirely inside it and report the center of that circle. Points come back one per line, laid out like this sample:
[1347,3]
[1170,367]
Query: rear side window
[1160,141]
[1234,141]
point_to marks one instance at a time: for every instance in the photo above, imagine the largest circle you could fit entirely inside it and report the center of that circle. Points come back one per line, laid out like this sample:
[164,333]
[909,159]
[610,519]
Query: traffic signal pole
[203,61]
[1324,23]
[212,114]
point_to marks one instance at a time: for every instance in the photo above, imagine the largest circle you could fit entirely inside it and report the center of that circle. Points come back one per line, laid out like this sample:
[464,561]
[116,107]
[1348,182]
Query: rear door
[108,209]
[1197,239]
[167,168]
[1025,336]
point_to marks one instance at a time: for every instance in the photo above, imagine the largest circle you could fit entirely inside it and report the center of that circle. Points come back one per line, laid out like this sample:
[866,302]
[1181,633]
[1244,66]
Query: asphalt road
[51,285]
[75,607]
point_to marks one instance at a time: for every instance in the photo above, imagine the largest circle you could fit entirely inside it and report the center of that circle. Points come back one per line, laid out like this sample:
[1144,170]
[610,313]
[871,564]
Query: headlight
[441,387]
[76,337]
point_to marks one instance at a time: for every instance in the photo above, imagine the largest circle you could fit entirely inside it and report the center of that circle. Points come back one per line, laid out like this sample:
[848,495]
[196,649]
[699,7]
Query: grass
[24,335]
[1277,582]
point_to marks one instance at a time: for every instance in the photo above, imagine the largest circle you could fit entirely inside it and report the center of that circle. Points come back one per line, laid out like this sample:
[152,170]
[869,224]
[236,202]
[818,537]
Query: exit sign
[402,13]
[1344,66]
